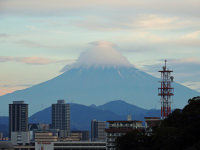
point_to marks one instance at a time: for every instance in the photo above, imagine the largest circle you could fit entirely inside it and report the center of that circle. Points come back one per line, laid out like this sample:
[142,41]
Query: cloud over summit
[100,54]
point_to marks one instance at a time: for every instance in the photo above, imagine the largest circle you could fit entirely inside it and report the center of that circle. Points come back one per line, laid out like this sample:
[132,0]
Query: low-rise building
[20,138]
[49,141]
[44,140]
[24,147]
[150,123]
[81,145]
[119,128]
[72,137]
[6,145]
[98,130]
[84,134]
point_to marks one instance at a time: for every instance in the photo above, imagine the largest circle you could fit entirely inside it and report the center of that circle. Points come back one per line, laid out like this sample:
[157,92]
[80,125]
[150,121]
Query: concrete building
[61,118]
[44,140]
[56,145]
[119,128]
[150,123]
[73,137]
[84,135]
[40,128]
[48,141]
[81,145]
[98,130]
[6,145]
[20,138]
[77,136]
[74,145]
[24,147]
[18,117]
[18,123]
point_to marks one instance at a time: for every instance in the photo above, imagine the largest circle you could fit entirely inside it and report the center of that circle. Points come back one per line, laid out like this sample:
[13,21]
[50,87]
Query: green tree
[180,131]
[136,140]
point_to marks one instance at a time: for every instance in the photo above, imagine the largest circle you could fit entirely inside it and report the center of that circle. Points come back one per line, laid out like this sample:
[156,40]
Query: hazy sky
[38,38]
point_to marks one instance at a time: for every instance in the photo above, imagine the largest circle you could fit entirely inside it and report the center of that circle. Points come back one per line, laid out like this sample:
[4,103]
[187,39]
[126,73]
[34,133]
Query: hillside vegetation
[180,131]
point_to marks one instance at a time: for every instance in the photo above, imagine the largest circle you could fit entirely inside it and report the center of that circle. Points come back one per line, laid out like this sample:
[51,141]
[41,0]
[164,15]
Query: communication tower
[166,91]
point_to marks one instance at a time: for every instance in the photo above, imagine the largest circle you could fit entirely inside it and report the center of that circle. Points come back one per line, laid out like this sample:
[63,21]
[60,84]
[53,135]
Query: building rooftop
[61,101]
[120,130]
[123,121]
[151,117]
[18,102]
[6,145]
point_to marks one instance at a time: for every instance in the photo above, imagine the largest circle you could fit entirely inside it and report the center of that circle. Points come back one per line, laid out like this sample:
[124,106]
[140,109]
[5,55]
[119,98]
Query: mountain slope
[4,125]
[97,85]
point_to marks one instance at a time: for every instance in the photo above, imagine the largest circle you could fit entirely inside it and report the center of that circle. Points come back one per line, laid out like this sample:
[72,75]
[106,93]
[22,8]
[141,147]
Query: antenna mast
[166,91]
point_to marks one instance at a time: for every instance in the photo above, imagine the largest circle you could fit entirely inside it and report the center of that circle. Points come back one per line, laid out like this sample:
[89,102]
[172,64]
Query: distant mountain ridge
[82,115]
[122,108]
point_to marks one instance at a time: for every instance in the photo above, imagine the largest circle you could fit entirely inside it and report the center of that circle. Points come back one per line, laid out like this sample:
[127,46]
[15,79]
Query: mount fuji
[100,75]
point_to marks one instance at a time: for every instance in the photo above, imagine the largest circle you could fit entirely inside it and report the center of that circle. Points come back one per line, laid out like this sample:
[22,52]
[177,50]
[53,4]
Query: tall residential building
[18,117]
[61,118]
[18,123]
[98,130]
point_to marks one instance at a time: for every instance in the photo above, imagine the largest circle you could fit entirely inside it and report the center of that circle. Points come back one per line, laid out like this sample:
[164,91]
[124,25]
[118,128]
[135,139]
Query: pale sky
[40,37]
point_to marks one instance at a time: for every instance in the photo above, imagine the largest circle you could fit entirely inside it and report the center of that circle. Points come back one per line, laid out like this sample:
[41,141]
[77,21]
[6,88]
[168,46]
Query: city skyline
[45,36]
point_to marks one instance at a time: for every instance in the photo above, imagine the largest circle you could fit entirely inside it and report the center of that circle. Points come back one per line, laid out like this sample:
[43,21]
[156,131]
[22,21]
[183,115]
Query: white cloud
[35,60]
[129,22]
[101,54]
[193,35]
[3,35]
[193,61]
[36,44]
[193,85]
[58,6]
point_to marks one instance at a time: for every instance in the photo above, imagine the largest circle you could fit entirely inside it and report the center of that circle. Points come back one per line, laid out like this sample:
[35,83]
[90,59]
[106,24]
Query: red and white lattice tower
[166,91]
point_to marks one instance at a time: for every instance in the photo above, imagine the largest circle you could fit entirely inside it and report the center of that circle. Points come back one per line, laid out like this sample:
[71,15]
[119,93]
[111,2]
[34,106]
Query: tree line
[180,131]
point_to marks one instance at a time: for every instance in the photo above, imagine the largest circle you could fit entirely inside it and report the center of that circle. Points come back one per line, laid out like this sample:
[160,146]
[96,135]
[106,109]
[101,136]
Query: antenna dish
[172,79]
